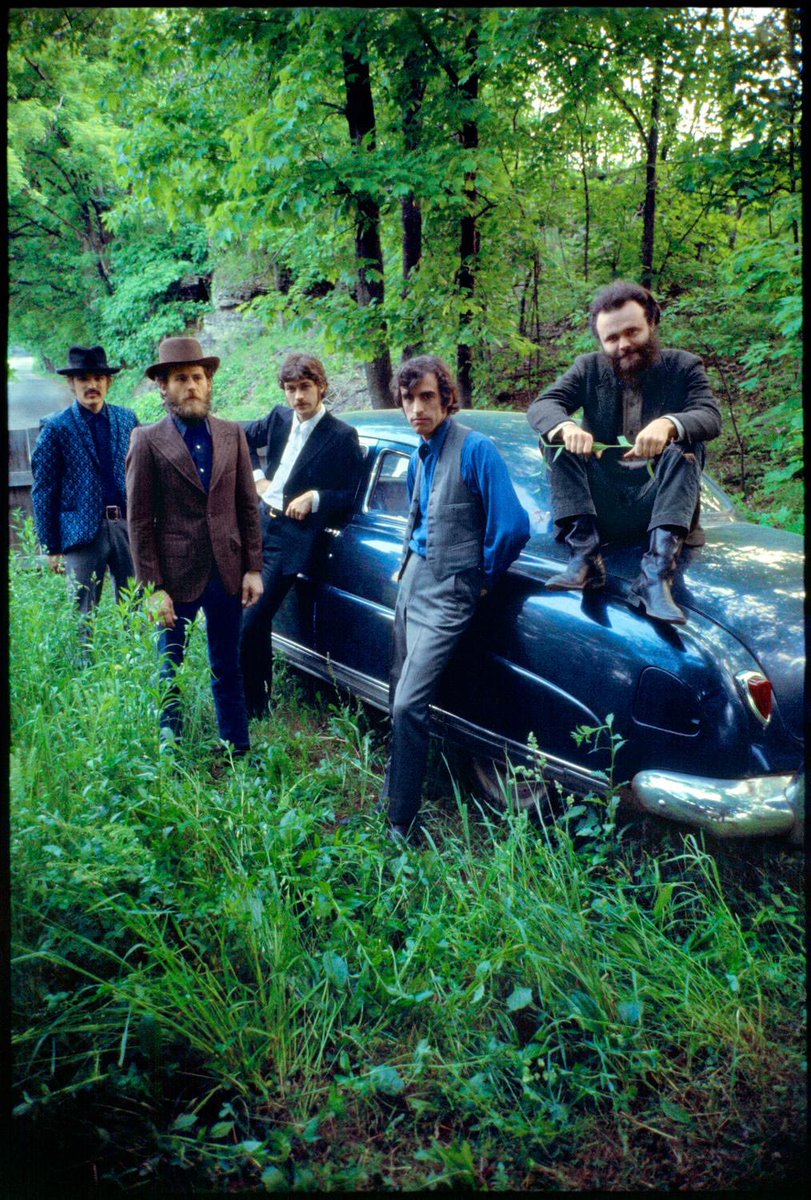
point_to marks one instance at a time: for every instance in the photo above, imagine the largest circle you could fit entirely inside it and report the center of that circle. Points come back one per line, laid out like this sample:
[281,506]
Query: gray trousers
[85,565]
[628,503]
[429,619]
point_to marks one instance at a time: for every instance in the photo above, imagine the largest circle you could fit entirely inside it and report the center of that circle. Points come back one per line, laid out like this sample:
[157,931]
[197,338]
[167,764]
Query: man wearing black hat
[79,488]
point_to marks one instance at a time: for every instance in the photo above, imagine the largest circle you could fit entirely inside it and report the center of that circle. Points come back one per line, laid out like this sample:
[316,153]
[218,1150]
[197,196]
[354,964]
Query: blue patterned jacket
[66,492]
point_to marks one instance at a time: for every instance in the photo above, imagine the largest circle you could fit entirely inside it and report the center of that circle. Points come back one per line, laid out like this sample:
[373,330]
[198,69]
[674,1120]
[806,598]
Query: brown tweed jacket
[177,530]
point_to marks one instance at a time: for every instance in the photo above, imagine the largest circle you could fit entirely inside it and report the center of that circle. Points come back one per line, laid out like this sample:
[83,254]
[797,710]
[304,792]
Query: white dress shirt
[299,433]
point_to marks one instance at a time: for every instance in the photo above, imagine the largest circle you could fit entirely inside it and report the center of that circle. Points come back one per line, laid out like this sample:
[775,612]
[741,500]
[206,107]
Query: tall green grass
[238,961]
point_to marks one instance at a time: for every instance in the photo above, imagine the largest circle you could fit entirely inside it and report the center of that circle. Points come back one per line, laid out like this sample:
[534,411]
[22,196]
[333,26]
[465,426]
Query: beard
[190,410]
[629,367]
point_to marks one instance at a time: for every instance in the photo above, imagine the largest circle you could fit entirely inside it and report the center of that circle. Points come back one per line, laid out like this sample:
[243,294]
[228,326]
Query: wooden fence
[20,444]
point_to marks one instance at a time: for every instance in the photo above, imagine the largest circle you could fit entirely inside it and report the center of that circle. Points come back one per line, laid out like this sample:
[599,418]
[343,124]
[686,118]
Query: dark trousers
[255,653]
[429,619]
[628,503]
[85,567]
[223,614]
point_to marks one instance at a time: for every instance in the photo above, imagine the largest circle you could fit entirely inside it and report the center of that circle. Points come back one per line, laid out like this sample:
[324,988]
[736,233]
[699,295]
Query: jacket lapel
[85,436]
[608,397]
[278,439]
[316,443]
[220,437]
[655,391]
[116,435]
[169,442]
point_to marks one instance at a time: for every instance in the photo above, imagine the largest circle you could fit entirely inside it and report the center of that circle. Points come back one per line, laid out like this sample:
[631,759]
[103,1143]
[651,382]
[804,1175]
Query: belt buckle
[112,512]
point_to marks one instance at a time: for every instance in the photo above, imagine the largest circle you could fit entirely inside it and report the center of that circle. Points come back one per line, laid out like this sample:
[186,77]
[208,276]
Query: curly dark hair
[412,370]
[303,366]
[615,294]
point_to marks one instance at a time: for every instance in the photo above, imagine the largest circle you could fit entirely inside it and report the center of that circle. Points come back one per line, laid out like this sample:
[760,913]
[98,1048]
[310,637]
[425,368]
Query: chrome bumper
[764,807]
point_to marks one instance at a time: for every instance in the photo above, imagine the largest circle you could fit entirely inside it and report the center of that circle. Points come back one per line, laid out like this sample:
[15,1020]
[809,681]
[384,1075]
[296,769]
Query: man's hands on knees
[162,609]
[652,440]
[252,588]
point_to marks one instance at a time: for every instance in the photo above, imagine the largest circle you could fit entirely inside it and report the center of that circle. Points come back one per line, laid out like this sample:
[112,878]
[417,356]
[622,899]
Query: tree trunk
[791,19]
[360,116]
[469,232]
[649,211]
[587,216]
[411,213]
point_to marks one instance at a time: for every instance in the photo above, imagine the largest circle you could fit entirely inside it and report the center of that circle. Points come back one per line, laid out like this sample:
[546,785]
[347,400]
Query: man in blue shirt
[465,526]
[79,490]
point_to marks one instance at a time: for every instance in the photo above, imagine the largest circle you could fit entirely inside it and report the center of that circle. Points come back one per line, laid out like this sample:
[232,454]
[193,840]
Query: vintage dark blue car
[711,712]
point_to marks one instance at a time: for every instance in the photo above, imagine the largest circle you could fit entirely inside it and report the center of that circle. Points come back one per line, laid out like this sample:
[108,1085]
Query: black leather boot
[651,589]
[585,569]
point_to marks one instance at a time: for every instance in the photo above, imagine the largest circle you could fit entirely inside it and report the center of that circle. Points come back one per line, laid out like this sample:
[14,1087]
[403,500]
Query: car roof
[391,422]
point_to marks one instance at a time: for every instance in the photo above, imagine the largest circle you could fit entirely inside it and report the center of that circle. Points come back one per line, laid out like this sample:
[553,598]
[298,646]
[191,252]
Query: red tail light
[758,694]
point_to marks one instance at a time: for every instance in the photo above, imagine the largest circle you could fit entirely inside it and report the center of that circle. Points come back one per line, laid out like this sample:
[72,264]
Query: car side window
[389,493]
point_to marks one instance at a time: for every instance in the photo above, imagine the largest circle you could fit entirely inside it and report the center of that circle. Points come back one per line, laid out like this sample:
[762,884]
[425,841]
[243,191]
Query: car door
[355,610]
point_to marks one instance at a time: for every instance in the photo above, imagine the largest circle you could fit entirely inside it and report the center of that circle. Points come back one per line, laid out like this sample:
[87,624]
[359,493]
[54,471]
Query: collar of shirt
[434,444]
[302,429]
[89,415]
[183,427]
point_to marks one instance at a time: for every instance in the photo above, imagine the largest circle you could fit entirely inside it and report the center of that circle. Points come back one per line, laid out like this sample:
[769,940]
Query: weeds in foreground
[234,977]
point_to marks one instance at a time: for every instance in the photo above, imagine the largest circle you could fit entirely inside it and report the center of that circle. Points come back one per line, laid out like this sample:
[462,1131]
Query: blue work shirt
[197,436]
[485,473]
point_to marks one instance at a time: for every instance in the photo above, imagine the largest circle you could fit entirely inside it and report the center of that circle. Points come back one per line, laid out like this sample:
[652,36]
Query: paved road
[32,396]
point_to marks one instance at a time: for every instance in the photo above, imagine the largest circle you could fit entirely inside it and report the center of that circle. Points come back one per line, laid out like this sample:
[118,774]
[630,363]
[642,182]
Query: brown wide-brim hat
[181,352]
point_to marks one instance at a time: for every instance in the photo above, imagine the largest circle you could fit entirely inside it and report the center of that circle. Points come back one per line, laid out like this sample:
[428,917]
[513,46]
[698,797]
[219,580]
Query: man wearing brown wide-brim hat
[194,528]
[79,488]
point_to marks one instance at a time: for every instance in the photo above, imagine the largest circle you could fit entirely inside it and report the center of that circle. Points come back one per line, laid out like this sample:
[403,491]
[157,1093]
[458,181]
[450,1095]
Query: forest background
[224,978]
[376,182]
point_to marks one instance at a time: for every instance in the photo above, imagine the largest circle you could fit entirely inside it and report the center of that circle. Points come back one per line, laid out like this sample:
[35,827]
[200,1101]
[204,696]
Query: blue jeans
[223,621]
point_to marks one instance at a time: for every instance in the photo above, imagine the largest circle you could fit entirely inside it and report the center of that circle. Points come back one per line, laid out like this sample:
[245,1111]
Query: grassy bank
[225,977]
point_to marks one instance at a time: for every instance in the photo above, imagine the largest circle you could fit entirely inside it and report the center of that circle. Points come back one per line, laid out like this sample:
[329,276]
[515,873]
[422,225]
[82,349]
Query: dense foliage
[456,179]
[226,976]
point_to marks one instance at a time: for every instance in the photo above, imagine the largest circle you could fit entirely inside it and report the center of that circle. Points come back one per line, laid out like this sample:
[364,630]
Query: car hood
[749,580]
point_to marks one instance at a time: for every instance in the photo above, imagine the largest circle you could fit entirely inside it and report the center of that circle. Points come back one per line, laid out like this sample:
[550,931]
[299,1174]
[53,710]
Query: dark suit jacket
[177,530]
[677,383]
[67,494]
[330,464]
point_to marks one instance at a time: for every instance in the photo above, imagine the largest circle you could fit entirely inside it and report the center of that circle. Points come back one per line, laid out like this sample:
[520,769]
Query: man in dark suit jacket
[310,478]
[195,529]
[659,402]
[79,490]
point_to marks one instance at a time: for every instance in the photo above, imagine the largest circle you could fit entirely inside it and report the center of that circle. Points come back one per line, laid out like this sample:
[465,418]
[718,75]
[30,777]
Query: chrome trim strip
[570,775]
[760,807]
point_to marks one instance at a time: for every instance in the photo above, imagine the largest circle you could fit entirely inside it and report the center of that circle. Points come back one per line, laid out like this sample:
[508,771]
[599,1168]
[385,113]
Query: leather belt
[273,513]
[113,513]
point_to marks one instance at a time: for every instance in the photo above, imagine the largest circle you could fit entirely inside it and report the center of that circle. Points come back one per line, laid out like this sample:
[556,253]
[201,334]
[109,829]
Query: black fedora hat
[87,360]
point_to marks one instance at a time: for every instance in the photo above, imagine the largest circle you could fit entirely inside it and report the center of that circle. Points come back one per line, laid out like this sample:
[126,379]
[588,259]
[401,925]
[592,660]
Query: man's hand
[301,507]
[56,563]
[652,440]
[252,588]
[576,440]
[262,486]
[162,609]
